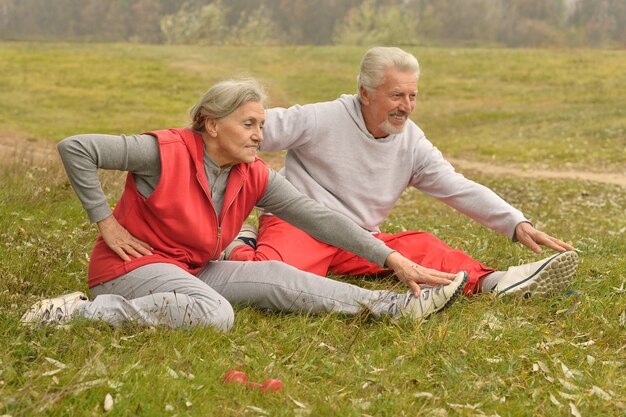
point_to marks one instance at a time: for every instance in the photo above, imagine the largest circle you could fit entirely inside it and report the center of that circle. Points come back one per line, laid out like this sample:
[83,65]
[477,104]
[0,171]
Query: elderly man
[356,155]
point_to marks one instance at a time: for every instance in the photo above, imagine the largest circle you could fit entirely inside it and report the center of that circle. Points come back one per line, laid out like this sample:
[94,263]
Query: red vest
[178,220]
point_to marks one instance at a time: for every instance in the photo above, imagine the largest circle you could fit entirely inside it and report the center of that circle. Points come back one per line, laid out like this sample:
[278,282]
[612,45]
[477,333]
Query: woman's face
[236,137]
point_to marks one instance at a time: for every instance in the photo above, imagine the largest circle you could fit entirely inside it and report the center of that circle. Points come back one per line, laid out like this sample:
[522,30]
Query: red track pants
[278,240]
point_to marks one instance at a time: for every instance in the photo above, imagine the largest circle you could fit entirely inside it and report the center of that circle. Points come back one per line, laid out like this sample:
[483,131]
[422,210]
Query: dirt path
[607,178]
[13,148]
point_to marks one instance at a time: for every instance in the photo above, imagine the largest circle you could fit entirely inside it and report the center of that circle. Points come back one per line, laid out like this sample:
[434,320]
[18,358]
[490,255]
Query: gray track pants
[164,294]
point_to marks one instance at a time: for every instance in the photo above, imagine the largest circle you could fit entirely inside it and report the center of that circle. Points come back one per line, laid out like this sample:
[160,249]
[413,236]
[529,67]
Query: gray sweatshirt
[83,155]
[334,159]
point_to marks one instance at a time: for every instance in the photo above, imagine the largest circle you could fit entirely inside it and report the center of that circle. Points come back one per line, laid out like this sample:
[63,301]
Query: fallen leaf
[554,341]
[296,402]
[600,393]
[584,344]
[327,346]
[361,403]
[568,396]
[566,371]
[108,402]
[468,406]
[56,363]
[489,323]
[54,371]
[400,358]
[257,409]
[574,410]
[172,373]
[568,385]
[88,384]
[376,370]
[555,401]
[543,367]
[114,384]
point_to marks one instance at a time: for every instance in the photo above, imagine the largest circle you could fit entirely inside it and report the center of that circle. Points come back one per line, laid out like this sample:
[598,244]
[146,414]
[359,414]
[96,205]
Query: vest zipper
[219,238]
[223,215]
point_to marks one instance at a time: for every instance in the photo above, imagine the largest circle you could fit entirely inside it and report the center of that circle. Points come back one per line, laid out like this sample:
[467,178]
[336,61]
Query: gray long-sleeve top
[334,159]
[83,155]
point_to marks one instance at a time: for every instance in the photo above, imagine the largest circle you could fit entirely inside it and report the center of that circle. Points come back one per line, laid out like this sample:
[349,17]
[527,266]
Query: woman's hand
[413,274]
[121,241]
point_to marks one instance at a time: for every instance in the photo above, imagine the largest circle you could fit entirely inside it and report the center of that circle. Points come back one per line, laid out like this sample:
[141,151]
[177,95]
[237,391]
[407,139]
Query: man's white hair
[377,60]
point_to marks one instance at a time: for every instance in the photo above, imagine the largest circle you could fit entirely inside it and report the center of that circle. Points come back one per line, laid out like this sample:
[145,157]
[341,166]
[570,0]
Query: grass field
[554,109]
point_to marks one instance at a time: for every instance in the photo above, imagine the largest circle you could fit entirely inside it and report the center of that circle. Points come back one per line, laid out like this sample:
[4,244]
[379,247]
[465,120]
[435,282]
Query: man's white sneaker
[433,298]
[54,310]
[247,236]
[539,278]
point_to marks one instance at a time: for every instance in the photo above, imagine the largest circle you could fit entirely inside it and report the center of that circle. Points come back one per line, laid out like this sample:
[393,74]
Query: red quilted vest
[178,219]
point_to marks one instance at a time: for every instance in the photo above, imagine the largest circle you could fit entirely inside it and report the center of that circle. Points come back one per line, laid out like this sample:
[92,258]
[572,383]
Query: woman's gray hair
[377,60]
[224,98]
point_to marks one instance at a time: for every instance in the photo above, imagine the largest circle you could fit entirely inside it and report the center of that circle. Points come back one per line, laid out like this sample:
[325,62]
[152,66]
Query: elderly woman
[187,194]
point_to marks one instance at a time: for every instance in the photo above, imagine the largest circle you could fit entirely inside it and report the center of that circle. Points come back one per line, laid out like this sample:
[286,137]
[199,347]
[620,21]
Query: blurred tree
[599,23]
[118,20]
[147,15]
[370,24]
[254,27]
[533,23]
[196,24]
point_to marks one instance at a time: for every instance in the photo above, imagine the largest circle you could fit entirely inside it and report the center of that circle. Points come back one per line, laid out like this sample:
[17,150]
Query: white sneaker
[433,298]
[247,236]
[539,278]
[54,310]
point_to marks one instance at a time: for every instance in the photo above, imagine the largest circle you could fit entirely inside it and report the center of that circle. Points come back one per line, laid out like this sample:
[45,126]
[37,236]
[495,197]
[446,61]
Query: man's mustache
[396,113]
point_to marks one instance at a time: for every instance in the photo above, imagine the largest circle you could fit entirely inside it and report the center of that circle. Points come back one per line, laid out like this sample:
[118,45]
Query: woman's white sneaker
[54,310]
[433,298]
[539,278]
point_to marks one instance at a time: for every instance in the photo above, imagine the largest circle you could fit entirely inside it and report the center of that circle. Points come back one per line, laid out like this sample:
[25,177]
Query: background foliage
[514,23]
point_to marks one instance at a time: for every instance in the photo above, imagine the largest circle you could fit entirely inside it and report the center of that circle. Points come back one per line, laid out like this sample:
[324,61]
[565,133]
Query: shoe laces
[425,294]
[59,314]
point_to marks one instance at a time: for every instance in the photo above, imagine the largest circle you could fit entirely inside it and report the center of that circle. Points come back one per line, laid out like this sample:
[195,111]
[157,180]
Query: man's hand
[121,241]
[412,274]
[529,236]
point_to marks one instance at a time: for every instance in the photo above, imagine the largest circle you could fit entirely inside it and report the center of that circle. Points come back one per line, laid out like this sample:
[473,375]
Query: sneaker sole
[455,294]
[453,297]
[554,275]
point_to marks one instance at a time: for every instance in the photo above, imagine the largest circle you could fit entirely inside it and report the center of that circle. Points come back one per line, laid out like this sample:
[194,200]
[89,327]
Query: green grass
[557,108]
[481,357]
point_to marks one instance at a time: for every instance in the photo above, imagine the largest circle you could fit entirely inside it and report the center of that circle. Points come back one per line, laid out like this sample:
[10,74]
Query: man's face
[387,108]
